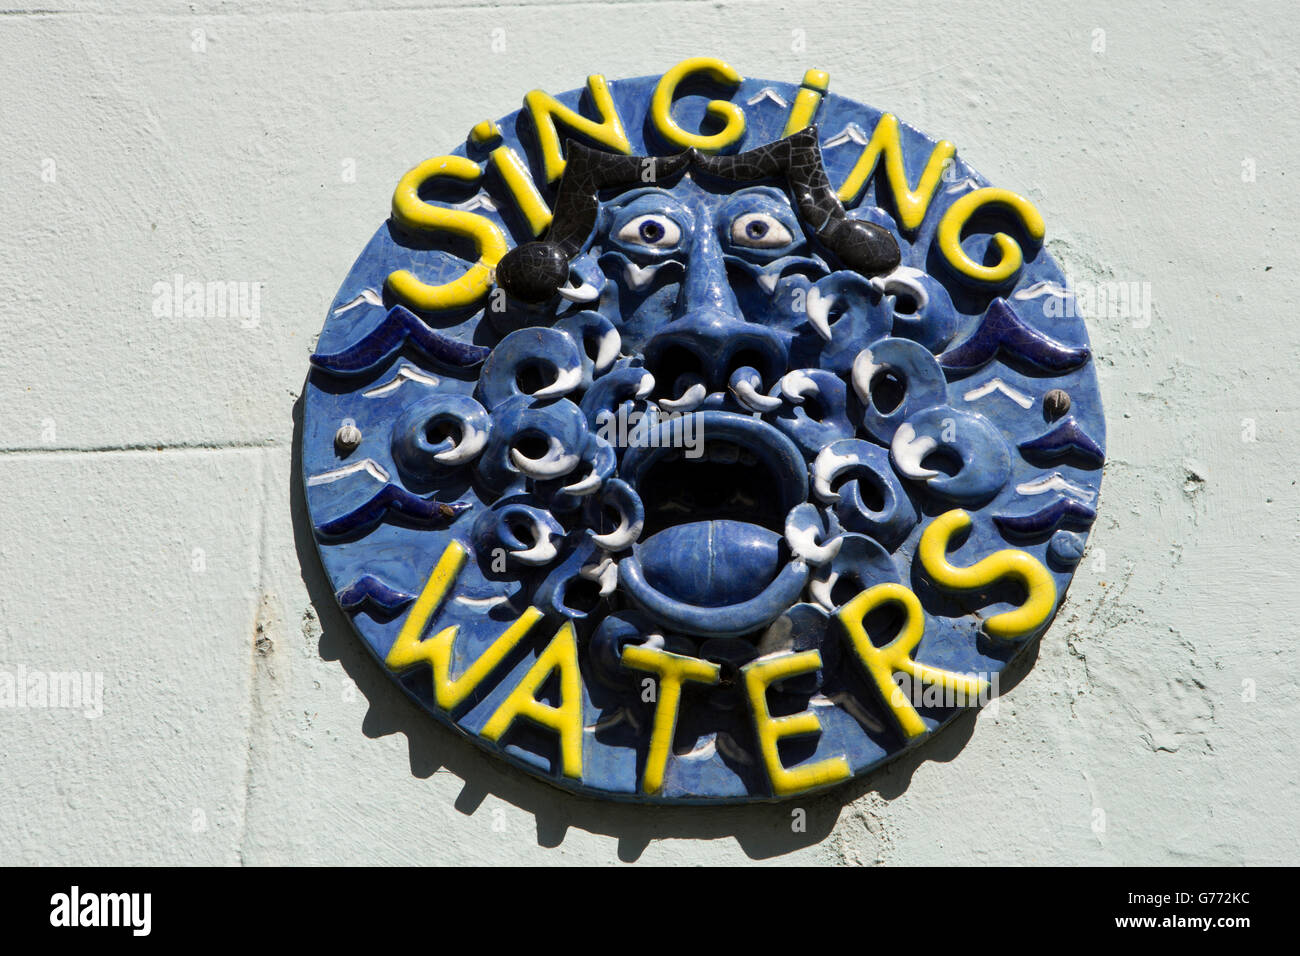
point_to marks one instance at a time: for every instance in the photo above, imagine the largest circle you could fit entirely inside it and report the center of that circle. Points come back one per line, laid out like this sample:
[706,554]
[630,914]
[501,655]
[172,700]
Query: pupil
[756,229]
[652,231]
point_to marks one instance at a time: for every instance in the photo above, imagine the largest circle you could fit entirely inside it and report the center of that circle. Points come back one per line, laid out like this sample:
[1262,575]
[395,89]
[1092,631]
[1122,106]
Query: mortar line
[255,671]
[134,448]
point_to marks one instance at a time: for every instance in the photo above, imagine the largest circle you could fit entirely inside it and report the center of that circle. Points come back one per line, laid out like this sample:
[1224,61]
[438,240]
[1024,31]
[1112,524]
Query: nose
[705,288]
[708,337]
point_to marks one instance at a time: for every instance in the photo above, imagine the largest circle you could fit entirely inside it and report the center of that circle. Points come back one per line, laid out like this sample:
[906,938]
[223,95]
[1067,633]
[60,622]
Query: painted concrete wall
[148,533]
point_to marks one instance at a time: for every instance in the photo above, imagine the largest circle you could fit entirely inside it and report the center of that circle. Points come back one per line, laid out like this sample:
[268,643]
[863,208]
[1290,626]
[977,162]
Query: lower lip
[783,460]
[732,620]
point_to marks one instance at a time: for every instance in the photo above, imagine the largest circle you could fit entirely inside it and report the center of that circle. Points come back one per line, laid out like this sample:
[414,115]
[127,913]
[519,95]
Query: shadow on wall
[761,830]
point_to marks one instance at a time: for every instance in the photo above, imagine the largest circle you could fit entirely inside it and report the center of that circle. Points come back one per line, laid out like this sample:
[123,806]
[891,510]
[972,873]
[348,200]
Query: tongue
[712,563]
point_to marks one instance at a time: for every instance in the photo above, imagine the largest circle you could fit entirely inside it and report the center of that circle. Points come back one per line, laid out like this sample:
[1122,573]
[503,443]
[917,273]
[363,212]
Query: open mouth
[717,481]
[712,559]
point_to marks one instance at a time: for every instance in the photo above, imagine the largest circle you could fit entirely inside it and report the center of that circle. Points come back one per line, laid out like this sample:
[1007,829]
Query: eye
[758,230]
[657,232]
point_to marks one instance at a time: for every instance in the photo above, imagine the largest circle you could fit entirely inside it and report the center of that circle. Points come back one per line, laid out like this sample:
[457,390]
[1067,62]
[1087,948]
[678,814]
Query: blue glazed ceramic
[643,470]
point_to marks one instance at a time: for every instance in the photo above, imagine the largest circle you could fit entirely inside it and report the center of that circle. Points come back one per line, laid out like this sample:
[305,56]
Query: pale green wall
[132,440]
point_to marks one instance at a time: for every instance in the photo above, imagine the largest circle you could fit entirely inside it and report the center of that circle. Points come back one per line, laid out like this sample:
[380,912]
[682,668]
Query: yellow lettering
[1022,566]
[414,213]
[912,204]
[566,719]
[409,650]
[882,663]
[732,115]
[806,101]
[546,110]
[522,188]
[759,675]
[1010,257]
[672,670]
[484,132]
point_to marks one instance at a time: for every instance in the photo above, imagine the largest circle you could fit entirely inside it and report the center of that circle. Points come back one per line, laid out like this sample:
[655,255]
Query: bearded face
[722,301]
[667,442]
[671,426]
[704,413]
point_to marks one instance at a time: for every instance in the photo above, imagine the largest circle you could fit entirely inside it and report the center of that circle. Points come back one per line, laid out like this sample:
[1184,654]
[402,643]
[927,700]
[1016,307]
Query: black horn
[861,246]
[533,271]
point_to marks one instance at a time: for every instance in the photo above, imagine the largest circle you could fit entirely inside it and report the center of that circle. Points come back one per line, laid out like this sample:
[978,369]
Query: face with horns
[718,304]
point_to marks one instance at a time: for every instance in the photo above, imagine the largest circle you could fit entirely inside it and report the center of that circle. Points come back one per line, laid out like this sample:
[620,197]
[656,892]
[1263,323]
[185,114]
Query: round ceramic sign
[698,438]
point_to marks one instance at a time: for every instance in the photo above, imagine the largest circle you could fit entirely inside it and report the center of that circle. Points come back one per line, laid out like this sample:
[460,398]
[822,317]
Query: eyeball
[758,230]
[655,232]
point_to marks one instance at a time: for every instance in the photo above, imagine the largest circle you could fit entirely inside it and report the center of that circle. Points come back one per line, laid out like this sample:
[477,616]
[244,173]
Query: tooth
[448,445]
[825,468]
[607,351]
[471,443]
[586,486]
[581,293]
[916,292]
[639,277]
[803,542]
[551,465]
[541,552]
[904,279]
[768,280]
[690,400]
[864,369]
[820,589]
[797,385]
[819,309]
[606,572]
[751,397]
[646,385]
[908,450]
[621,537]
[566,380]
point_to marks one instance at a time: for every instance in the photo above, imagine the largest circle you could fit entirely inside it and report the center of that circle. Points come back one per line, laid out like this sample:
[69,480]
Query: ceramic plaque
[700,438]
